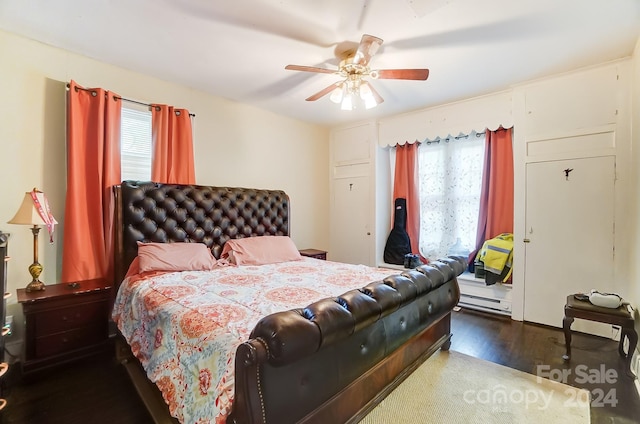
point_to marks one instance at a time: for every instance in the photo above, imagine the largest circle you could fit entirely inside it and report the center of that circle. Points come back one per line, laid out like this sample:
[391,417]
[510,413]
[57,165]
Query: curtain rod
[477,134]
[458,137]
[124,99]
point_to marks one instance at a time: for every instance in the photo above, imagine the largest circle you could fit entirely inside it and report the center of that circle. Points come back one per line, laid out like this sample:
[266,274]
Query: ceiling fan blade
[368,47]
[376,95]
[268,19]
[323,92]
[406,74]
[310,69]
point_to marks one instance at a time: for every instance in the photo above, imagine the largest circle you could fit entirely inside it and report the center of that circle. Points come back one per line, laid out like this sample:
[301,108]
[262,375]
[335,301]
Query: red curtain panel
[405,185]
[93,167]
[496,200]
[172,158]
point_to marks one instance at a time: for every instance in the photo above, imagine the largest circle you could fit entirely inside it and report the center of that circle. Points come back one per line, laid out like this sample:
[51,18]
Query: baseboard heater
[485,304]
[476,294]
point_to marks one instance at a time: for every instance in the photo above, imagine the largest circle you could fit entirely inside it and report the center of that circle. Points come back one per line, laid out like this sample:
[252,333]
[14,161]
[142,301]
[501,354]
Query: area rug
[451,387]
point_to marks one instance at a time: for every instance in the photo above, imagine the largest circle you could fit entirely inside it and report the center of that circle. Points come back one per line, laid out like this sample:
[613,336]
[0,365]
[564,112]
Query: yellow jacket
[496,253]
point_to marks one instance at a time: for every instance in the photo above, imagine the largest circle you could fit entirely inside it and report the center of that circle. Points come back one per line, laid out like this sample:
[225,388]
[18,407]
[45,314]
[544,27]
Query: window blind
[135,147]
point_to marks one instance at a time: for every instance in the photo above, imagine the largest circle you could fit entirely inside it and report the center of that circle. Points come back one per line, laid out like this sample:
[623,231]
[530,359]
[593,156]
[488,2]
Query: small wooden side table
[314,253]
[64,322]
[621,316]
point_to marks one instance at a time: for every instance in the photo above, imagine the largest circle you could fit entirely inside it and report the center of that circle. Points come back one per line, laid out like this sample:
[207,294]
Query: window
[450,183]
[135,149]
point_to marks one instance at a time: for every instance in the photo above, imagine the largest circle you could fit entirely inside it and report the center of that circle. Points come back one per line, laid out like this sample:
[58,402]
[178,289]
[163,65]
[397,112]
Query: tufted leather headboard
[155,212]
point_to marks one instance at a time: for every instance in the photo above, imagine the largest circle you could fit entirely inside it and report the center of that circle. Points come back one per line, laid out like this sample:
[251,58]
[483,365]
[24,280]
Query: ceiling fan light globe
[337,94]
[365,91]
[367,96]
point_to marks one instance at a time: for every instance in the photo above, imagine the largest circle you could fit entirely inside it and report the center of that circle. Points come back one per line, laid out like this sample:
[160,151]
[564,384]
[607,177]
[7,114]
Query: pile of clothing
[496,255]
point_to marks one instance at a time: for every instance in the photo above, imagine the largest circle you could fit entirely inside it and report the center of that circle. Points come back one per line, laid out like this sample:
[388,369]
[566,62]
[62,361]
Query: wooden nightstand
[63,323]
[314,253]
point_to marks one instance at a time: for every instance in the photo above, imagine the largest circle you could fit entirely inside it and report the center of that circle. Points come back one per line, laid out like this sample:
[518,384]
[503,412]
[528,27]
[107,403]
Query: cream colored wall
[235,145]
[634,271]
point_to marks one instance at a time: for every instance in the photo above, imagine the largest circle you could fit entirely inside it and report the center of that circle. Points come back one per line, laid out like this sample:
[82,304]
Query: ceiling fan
[353,68]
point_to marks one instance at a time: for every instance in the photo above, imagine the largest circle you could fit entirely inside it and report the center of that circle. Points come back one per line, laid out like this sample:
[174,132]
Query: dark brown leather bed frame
[330,362]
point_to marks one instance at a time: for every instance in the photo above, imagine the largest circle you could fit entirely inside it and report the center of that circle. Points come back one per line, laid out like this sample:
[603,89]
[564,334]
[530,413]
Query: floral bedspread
[184,327]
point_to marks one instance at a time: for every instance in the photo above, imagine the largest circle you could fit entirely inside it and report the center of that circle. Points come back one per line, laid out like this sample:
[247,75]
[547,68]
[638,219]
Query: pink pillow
[134,267]
[175,257]
[260,250]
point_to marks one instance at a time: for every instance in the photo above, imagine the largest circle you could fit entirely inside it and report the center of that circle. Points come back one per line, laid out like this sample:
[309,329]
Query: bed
[330,360]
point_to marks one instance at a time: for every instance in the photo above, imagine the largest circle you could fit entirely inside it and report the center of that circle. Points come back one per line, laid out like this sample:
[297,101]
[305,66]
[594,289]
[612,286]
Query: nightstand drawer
[57,320]
[68,341]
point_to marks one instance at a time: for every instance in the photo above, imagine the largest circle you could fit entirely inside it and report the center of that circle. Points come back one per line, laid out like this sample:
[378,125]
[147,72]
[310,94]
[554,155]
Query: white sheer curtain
[450,173]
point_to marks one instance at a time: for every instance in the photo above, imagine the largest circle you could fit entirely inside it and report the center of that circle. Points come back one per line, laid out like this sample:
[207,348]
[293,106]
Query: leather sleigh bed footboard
[334,360]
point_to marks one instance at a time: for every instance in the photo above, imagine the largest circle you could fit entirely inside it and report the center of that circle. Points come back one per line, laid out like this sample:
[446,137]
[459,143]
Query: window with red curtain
[465,191]
[157,144]
[94,163]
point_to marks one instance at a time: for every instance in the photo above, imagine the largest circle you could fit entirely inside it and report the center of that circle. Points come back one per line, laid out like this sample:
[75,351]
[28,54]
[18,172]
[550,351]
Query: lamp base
[35,269]
[35,285]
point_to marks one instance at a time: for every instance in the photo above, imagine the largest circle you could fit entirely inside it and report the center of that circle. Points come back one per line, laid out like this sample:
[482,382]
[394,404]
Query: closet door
[352,199]
[350,223]
[570,233]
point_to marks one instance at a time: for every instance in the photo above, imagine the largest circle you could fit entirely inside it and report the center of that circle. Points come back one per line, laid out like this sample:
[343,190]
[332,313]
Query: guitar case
[398,243]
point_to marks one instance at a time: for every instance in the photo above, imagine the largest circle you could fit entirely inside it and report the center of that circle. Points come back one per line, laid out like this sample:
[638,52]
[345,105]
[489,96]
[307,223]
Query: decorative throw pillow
[260,250]
[175,257]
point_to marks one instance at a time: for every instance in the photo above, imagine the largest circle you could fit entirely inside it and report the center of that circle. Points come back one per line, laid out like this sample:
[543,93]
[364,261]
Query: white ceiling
[238,49]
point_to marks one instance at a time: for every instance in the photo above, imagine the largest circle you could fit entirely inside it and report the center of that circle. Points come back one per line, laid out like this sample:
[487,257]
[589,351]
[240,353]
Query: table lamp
[35,211]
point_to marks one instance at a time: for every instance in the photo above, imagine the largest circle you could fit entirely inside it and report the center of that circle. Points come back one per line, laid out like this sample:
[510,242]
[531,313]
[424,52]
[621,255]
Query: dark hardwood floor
[97,390]
[595,363]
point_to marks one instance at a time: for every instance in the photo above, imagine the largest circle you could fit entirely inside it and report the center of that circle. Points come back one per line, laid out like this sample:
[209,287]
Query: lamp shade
[29,214]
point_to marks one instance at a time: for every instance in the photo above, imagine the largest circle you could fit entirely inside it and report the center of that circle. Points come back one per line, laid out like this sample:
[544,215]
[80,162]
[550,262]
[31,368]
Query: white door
[570,233]
[350,227]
